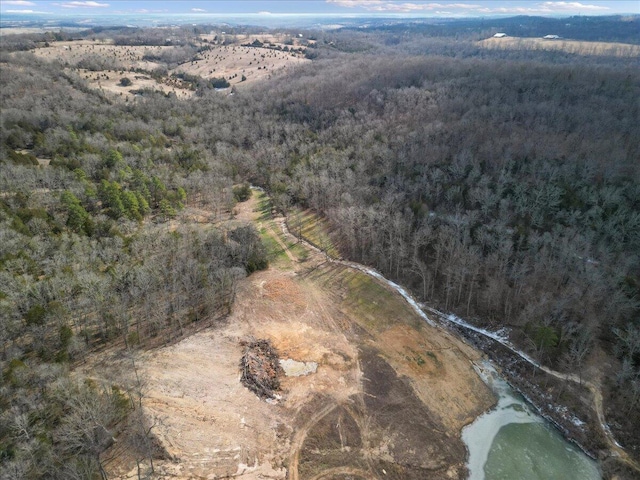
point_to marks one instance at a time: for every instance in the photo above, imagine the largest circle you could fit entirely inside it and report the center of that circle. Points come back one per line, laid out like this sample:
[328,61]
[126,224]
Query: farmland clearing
[240,60]
[569,46]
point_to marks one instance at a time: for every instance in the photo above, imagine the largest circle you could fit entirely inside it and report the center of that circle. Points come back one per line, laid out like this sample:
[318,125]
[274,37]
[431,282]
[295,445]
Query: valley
[391,392]
[394,232]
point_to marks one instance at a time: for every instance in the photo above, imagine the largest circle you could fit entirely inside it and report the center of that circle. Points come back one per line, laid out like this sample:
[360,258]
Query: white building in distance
[500,35]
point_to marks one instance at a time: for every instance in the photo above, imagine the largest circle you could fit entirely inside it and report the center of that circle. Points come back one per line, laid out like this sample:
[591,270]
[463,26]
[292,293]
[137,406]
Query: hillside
[501,186]
[389,393]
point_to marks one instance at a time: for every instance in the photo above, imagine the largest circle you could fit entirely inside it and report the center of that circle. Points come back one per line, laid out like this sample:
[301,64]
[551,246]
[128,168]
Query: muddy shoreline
[560,403]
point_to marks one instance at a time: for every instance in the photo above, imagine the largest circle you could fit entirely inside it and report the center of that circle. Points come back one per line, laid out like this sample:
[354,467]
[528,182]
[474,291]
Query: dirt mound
[260,368]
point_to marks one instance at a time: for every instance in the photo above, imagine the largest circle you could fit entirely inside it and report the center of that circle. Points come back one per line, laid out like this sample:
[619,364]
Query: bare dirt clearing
[388,399]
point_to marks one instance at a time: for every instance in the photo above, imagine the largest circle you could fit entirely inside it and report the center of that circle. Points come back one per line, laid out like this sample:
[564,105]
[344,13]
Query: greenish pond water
[512,442]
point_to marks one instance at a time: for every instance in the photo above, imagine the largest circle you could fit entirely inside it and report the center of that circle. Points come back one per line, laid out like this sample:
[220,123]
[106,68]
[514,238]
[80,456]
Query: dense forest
[95,254]
[501,186]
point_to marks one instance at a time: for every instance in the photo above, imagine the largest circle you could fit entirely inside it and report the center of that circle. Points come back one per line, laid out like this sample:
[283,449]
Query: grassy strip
[314,229]
[276,255]
[371,304]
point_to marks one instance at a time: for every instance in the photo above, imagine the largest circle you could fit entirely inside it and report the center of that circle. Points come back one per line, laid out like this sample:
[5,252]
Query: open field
[570,46]
[388,399]
[23,30]
[103,64]
[111,63]
[109,83]
[121,57]
[232,62]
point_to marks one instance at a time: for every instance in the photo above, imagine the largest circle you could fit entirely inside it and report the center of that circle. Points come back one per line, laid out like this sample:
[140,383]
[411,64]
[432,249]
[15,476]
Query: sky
[409,8]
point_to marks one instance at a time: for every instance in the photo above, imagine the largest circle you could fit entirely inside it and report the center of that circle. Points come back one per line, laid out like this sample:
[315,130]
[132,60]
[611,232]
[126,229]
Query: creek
[511,441]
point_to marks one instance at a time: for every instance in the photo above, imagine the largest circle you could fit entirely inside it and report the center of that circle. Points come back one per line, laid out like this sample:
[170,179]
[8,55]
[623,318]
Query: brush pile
[260,368]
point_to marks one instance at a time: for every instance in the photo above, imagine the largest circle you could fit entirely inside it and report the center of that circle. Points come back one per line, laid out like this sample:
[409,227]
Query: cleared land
[232,62]
[388,399]
[103,65]
[570,46]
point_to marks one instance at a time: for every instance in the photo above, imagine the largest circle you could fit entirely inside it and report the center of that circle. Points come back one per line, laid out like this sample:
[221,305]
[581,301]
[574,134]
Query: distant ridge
[614,28]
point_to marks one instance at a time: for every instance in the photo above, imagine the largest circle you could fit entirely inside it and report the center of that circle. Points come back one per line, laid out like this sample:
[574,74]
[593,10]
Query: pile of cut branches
[260,368]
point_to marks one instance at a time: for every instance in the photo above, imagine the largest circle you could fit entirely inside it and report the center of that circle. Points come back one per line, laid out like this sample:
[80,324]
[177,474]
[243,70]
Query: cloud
[200,10]
[547,8]
[355,3]
[390,6]
[21,3]
[24,11]
[408,7]
[146,10]
[571,6]
[88,4]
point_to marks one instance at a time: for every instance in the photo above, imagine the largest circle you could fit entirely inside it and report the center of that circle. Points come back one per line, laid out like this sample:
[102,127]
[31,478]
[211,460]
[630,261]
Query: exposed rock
[293,368]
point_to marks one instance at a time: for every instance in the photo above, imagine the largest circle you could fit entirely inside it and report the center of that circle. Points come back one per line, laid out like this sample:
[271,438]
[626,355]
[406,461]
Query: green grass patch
[371,304]
[433,357]
[299,251]
[313,229]
[275,253]
[419,359]
[270,232]
[264,206]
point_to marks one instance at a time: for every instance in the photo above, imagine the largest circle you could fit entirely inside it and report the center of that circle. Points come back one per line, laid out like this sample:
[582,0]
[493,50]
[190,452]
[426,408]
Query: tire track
[301,435]
[332,472]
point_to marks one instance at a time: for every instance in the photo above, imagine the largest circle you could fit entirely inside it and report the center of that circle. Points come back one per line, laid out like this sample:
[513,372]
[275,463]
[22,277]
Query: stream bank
[561,399]
[513,441]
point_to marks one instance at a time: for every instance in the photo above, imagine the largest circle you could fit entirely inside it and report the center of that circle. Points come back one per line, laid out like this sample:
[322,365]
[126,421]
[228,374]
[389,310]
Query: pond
[513,442]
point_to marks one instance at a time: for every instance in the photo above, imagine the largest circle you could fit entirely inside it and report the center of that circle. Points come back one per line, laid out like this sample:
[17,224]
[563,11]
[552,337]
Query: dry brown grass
[286,291]
[570,46]
[232,62]
[125,56]
[109,83]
